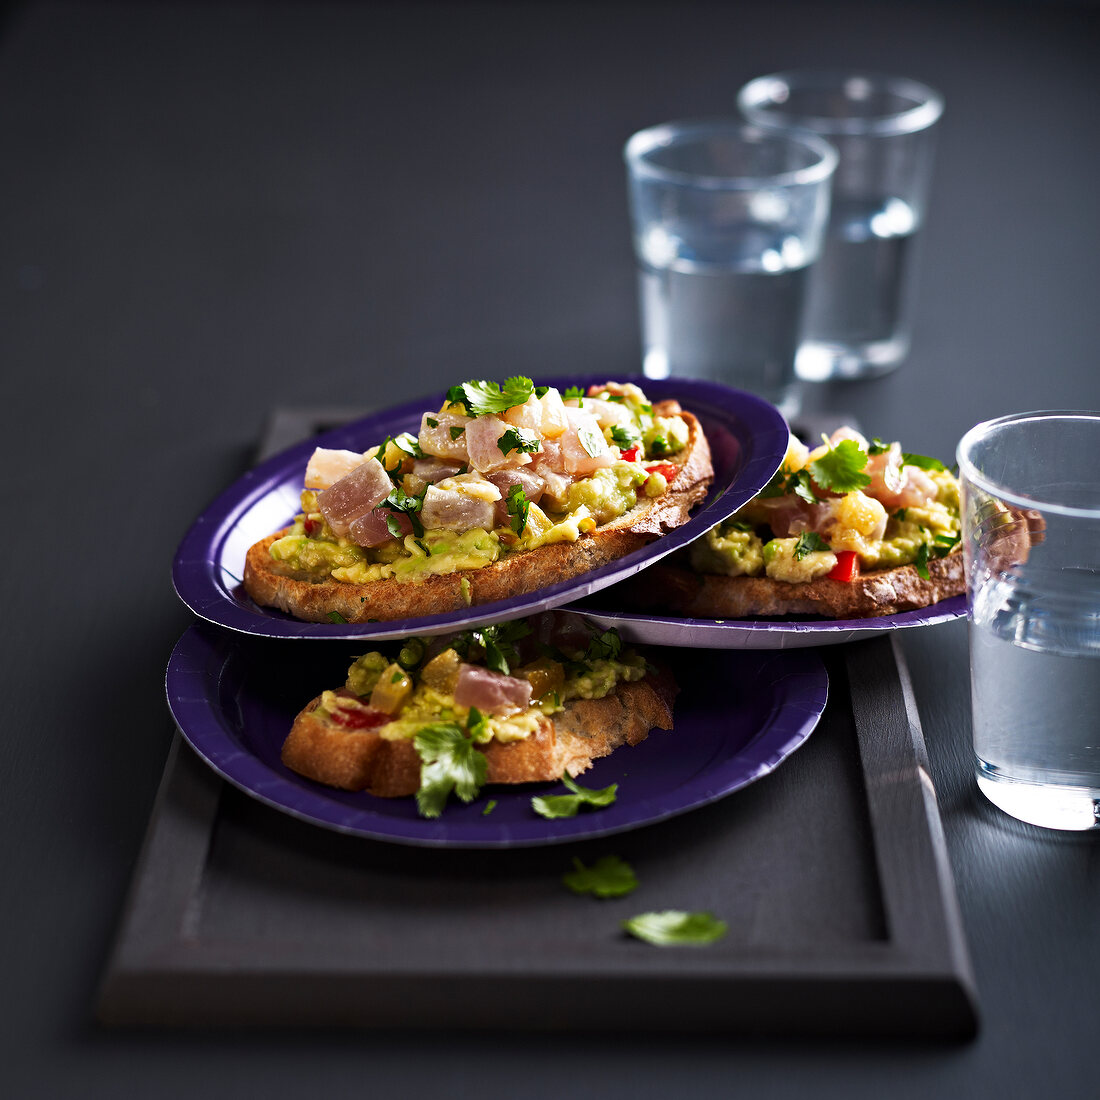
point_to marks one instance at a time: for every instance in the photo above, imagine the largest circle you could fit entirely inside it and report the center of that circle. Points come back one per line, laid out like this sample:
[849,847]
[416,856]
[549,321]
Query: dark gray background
[206,210]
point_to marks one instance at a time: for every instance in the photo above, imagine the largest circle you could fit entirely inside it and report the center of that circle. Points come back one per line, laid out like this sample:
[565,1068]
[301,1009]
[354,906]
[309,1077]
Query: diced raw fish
[483,445]
[372,529]
[583,447]
[438,440]
[491,692]
[434,469]
[326,467]
[354,495]
[449,510]
[609,414]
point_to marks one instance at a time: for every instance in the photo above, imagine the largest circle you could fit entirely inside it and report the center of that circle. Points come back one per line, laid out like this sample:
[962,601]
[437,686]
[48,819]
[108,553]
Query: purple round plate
[737,718]
[747,436]
[762,633]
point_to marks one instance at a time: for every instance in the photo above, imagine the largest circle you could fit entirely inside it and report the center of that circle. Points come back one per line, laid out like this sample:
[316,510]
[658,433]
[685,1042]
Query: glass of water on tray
[861,296]
[727,221]
[1031,538]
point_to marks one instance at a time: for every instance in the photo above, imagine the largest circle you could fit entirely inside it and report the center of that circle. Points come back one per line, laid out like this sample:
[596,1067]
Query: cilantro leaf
[518,508]
[566,805]
[672,926]
[490,806]
[450,762]
[808,543]
[923,461]
[841,467]
[477,725]
[802,486]
[409,444]
[625,438]
[455,430]
[431,422]
[659,446]
[400,501]
[480,397]
[519,439]
[574,392]
[497,641]
[877,447]
[921,561]
[607,645]
[608,877]
[335,617]
[591,439]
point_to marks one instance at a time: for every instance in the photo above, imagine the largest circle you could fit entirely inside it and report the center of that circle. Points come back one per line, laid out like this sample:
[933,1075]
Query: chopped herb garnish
[900,515]
[541,391]
[574,392]
[409,444]
[923,461]
[944,544]
[841,468]
[672,927]
[397,677]
[591,439]
[335,617]
[450,762]
[431,422]
[877,447]
[625,438]
[480,398]
[566,805]
[518,508]
[809,542]
[921,561]
[519,439]
[401,502]
[477,724]
[498,642]
[490,806]
[801,484]
[608,877]
[659,446]
[605,646]
[455,430]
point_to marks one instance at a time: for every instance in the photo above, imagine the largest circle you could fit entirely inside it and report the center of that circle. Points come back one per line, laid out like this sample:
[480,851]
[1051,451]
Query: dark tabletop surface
[207,210]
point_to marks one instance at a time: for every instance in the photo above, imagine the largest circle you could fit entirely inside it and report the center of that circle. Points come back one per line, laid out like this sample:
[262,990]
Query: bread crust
[875,593]
[361,760]
[317,601]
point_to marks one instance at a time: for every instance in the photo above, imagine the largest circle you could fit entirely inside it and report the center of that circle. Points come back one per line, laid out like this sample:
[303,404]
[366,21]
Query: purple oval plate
[762,633]
[747,436]
[738,717]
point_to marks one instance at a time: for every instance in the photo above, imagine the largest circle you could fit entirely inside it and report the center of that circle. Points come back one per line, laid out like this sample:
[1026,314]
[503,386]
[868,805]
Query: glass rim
[986,428]
[925,112]
[676,131]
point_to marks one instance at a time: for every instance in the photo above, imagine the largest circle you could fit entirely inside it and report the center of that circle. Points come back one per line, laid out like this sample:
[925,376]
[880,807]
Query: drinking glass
[1031,539]
[727,221]
[859,314]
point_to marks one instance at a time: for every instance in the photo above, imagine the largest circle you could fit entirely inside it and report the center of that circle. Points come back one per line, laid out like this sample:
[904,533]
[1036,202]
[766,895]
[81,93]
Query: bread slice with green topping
[443,571]
[544,718]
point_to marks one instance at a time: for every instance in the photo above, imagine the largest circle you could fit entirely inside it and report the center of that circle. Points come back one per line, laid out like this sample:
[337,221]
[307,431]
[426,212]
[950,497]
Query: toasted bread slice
[317,601]
[709,596]
[361,760]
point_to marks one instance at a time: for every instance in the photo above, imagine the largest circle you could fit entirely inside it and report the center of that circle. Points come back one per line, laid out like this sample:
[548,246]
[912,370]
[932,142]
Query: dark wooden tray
[831,872]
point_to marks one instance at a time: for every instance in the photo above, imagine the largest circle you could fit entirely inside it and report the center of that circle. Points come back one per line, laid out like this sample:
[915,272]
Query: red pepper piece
[847,567]
[311,526]
[632,454]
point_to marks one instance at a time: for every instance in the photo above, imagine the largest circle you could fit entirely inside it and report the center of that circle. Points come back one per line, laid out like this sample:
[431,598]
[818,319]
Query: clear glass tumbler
[727,220]
[1031,538]
[858,318]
